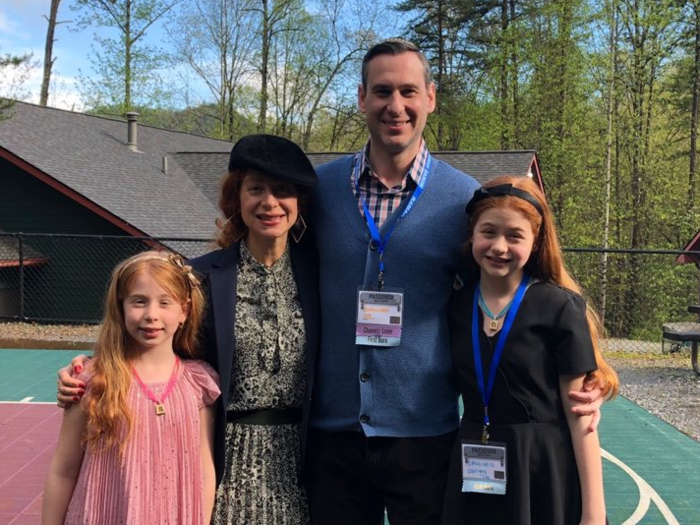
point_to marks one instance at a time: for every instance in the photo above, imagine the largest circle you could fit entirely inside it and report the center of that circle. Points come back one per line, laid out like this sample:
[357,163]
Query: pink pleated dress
[159,478]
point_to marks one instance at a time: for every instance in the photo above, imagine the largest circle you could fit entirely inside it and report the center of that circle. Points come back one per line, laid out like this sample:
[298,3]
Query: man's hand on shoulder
[588,401]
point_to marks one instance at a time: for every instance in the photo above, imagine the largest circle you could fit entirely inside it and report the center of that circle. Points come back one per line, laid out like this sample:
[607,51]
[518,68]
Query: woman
[260,332]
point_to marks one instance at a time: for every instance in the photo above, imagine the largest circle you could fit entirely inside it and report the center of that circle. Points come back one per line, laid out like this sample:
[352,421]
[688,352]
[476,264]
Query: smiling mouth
[150,332]
[270,219]
[396,124]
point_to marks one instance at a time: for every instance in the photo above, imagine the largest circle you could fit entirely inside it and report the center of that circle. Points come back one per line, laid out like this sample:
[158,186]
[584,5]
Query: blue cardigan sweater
[403,391]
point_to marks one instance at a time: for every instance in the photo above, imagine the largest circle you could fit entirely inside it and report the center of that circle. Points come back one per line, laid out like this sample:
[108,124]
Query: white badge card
[483,467]
[379,318]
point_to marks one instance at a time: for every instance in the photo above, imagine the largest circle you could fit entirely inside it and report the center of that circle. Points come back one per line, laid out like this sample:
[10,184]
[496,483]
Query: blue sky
[23,30]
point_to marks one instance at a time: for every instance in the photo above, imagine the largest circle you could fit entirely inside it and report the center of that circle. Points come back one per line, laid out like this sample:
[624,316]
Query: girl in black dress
[522,337]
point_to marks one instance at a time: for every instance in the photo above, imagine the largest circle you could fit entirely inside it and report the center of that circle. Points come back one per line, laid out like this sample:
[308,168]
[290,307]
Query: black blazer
[218,272]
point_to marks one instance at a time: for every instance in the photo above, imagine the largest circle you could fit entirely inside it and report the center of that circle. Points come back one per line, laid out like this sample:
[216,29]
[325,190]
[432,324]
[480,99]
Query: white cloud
[64,95]
[24,83]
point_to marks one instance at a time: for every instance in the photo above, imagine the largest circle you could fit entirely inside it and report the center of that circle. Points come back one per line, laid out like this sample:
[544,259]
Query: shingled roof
[207,168]
[87,158]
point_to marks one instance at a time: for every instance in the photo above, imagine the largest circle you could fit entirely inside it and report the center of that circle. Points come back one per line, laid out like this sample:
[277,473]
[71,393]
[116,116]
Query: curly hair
[231,226]
[109,417]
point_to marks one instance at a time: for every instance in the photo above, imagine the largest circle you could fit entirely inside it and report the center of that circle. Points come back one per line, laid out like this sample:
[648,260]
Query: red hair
[109,417]
[232,228]
[546,261]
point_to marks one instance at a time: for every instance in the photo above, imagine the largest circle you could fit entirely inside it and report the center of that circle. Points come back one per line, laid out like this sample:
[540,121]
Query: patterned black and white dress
[259,485]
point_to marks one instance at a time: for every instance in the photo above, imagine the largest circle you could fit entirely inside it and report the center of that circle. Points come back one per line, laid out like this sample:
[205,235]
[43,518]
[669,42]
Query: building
[75,184]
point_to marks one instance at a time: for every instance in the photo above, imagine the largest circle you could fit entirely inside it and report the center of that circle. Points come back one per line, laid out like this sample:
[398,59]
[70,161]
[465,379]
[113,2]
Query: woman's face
[269,207]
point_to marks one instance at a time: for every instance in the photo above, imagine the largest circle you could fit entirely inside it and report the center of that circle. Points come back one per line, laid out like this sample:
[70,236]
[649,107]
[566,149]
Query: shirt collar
[414,172]
[280,266]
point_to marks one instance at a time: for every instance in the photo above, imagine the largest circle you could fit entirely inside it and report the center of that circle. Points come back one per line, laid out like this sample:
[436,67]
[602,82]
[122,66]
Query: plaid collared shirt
[382,201]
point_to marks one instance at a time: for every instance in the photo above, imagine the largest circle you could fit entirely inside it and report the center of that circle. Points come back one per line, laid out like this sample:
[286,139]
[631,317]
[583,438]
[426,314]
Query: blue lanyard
[373,230]
[476,348]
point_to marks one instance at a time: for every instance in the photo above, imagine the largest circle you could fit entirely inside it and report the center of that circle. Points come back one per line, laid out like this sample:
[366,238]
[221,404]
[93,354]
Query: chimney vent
[132,118]
[165,165]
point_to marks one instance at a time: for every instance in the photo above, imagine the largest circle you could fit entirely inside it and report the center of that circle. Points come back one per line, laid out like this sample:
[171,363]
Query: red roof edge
[535,172]
[70,193]
[692,246]
[27,262]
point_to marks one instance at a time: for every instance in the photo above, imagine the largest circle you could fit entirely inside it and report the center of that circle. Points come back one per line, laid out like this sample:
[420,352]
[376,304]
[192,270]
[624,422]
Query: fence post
[21,277]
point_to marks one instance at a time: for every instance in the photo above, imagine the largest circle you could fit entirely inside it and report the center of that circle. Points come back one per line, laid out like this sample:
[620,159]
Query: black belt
[273,416]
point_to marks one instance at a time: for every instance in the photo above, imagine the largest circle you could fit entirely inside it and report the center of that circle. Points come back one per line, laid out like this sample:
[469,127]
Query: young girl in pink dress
[138,448]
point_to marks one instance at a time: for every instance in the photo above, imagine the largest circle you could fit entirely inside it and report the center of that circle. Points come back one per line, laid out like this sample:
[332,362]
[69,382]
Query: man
[390,223]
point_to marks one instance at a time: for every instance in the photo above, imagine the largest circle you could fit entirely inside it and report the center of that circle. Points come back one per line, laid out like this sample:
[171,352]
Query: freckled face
[502,242]
[151,314]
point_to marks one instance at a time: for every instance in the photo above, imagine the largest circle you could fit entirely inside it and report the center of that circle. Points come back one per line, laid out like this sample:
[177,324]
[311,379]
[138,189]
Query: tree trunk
[515,85]
[693,170]
[48,53]
[127,58]
[266,35]
[608,161]
[440,77]
[503,92]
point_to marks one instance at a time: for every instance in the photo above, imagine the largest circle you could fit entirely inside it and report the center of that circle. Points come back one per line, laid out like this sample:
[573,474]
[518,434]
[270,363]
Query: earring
[297,236]
[180,324]
[238,219]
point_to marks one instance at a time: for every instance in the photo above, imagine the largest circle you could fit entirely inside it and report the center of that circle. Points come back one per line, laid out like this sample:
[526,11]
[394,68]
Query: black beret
[275,157]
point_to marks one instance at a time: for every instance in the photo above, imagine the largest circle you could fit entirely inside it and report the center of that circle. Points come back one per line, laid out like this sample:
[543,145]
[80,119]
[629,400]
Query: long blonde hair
[546,262]
[109,418]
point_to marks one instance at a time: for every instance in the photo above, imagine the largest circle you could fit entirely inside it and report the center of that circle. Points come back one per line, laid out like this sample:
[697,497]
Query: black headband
[500,191]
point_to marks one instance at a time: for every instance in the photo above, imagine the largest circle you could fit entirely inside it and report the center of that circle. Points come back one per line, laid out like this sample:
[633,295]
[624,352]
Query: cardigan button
[373,245]
[364,377]
[364,418]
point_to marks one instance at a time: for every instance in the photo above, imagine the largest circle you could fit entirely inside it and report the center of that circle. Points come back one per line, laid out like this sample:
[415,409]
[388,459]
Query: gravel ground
[48,332]
[665,385]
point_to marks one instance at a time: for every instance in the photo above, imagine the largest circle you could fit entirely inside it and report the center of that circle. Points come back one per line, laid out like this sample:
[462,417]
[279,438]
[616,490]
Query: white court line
[26,399]
[646,495]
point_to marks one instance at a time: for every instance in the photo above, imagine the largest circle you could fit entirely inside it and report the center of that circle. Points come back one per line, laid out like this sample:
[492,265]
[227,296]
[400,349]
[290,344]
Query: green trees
[13,72]
[213,39]
[124,66]
[608,93]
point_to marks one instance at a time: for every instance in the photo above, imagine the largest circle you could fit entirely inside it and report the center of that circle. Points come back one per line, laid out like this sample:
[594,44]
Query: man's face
[396,102]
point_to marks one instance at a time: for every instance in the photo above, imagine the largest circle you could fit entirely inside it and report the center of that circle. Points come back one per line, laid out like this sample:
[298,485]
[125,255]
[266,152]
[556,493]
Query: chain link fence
[63,278]
[636,292]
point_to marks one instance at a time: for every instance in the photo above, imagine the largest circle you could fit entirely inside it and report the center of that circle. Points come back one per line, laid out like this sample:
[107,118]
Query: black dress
[549,337]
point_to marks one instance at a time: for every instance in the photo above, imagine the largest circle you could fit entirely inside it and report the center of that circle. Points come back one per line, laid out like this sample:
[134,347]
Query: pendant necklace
[493,324]
[160,409]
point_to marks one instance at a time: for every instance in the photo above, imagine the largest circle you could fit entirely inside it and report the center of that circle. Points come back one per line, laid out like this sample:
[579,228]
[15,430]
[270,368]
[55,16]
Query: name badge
[379,318]
[484,467]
